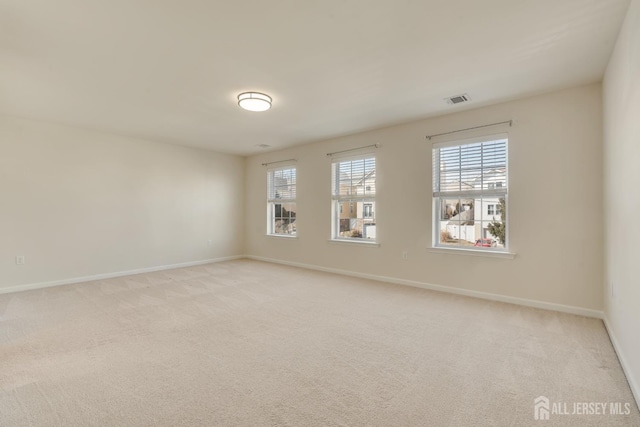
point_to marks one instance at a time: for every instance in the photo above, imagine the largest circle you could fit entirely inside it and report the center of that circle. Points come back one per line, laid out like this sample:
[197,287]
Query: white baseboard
[466,292]
[476,294]
[635,388]
[104,276]
[633,385]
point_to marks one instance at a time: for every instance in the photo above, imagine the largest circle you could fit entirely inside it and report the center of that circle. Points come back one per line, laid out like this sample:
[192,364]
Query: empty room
[319,213]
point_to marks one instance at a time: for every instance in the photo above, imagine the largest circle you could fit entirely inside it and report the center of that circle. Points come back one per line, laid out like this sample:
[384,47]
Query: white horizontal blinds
[282,184]
[354,178]
[468,169]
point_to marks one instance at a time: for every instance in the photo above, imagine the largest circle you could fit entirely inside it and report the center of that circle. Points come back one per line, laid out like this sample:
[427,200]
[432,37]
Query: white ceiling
[170,70]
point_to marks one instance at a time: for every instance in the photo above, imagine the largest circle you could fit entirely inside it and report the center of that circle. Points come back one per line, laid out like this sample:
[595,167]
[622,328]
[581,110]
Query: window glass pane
[356,219]
[484,238]
[449,222]
[497,225]
[450,233]
[284,218]
[458,222]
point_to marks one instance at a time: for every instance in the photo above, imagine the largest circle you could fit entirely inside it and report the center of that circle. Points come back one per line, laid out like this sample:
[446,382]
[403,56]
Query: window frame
[272,200]
[493,191]
[338,200]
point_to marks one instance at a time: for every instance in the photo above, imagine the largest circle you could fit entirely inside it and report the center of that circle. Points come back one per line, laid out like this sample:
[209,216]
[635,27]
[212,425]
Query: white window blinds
[354,178]
[471,168]
[282,185]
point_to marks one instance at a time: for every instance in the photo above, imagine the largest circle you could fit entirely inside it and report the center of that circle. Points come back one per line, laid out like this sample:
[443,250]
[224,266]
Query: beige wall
[622,194]
[555,206]
[79,203]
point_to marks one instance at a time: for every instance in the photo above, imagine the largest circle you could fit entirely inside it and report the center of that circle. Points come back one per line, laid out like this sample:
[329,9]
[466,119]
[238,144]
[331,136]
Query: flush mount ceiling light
[254,101]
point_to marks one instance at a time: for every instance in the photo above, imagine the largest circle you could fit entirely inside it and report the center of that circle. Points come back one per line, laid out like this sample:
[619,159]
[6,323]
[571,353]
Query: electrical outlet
[210,242]
[20,260]
[405,255]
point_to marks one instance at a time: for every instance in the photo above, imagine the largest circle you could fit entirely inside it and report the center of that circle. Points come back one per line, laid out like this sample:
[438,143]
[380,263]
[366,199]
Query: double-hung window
[354,198]
[470,191]
[281,201]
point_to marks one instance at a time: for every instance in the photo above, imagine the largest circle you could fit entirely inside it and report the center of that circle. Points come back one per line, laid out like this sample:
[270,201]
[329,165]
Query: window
[470,193]
[354,186]
[281,201]
[368,210]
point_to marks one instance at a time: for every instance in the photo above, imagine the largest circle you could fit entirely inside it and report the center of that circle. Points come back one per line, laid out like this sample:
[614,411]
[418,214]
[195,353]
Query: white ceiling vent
[458,99]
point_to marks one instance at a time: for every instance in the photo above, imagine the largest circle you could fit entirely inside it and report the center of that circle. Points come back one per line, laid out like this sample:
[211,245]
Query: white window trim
[341,241]
[436,247]
[283,236]
[487,252]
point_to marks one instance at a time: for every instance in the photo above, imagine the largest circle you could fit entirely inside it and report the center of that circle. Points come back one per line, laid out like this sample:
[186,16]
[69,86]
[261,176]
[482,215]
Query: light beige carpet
[255,344]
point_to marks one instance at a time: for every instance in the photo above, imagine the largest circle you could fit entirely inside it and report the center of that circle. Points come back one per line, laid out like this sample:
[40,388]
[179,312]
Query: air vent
[263,146]
[458,99]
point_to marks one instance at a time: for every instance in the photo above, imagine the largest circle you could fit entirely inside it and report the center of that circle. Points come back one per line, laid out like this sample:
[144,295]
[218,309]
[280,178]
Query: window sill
[472,252]
[354,242]
[282,236]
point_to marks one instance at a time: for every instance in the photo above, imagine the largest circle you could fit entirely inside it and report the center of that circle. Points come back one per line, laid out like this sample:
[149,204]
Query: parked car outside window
[486,243]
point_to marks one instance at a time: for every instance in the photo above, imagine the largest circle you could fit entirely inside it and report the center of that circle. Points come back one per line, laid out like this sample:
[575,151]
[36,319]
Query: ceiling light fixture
[254,101]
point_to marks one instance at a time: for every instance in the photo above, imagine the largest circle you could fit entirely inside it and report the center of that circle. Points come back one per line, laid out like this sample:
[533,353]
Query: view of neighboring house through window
[354,198]
[470,193]
[281,201]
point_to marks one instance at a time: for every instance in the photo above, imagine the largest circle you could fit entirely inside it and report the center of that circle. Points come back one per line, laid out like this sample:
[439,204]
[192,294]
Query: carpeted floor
[254,344]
